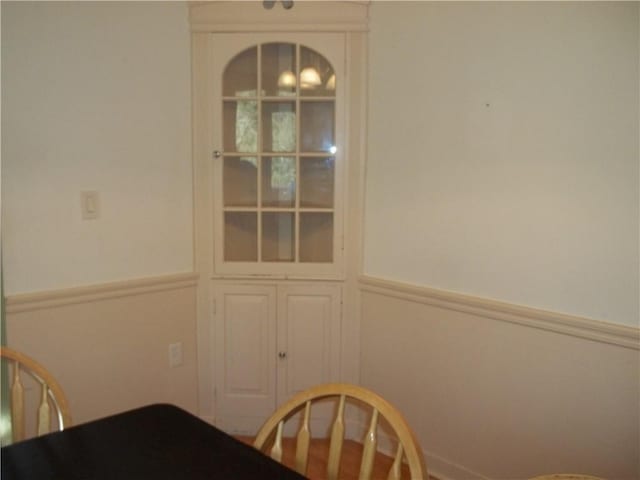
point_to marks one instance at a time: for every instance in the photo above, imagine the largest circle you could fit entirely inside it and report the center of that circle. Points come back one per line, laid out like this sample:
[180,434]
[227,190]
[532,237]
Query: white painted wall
[503,152]
[95,96]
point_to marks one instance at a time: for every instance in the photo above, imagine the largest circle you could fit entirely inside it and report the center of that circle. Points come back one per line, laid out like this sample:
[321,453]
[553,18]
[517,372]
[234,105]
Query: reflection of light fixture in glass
[309,78]
[333,149]
[287,79]
[331,83]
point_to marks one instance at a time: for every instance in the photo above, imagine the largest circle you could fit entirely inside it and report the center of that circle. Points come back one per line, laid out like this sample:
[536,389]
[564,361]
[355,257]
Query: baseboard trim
[443,469]
[210,419]
[596,330]
[26,302]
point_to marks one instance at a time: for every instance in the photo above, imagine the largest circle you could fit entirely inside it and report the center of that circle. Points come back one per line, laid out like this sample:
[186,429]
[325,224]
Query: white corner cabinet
[278,130]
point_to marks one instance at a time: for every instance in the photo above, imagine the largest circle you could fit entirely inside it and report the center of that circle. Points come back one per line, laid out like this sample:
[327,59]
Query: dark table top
[156,442]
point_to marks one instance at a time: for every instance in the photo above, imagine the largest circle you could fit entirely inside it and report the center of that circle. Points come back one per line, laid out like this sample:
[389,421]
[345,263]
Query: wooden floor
[350,464]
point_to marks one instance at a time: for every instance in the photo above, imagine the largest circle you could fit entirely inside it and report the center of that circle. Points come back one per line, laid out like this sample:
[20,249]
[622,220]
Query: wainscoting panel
[108,345]
[502,392]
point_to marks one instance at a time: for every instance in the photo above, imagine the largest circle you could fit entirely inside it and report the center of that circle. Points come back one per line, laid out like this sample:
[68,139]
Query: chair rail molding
[25,302]
[581,327]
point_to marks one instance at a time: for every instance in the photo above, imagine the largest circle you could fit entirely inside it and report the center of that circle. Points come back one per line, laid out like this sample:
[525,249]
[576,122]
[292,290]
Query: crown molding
[305,15]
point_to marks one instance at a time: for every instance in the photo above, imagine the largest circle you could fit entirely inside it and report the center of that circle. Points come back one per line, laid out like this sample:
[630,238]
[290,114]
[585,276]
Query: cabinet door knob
[217,154]
[282,354]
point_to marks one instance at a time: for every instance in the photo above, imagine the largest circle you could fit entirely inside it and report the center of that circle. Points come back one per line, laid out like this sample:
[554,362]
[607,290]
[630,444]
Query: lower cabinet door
[272,341]
[245,356]
[308,336]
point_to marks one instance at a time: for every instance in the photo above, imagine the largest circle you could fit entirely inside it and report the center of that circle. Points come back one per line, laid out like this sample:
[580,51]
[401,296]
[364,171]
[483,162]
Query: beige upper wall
[532,199]
[95,96]
[503,152]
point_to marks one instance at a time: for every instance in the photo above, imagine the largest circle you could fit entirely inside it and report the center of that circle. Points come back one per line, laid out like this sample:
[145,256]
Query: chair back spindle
[44,411]
[302,442]
[395,470]
[370,445]
[276,450]
[17,404]
[337,439]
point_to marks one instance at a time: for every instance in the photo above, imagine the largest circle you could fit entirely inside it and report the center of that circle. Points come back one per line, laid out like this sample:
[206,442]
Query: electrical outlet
[175,354]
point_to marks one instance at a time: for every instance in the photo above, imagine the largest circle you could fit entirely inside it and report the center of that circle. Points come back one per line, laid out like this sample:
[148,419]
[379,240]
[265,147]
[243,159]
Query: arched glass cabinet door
[279,209]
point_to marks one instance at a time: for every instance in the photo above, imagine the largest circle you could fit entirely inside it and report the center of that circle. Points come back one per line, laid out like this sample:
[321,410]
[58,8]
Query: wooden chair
[51,395]
[270,435]
[566,476]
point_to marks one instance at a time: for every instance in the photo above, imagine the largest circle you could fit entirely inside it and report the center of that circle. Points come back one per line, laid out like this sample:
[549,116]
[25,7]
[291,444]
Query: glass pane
[317,78]
[279,126]
[278,181]
[240,237]
[278,67]
[316,182]
[241,75]
[316,127]
[277,237]
[241,126]
[240,182]
[316,237]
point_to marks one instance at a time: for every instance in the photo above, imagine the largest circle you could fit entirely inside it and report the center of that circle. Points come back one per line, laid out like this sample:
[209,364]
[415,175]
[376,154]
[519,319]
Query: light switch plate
[90,205]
